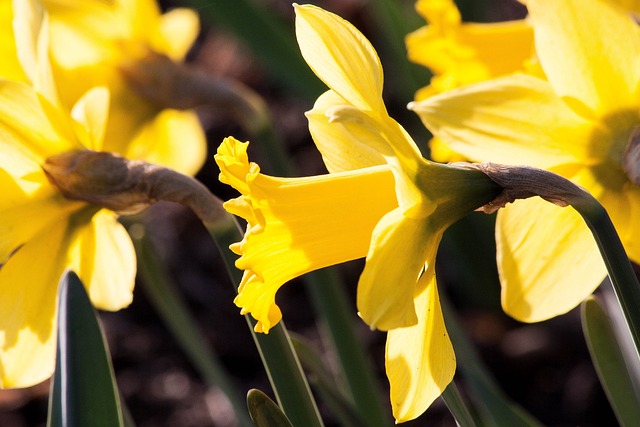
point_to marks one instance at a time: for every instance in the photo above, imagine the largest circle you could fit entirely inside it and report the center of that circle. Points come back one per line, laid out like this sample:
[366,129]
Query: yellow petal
[340,56]
[512,120]
[400,247]
[340,150]
[296,225]
[92,111]
[10,67]
[102,255]
[23,215]
[547,259]
[27,308]
[177,30]
[590,52]
[174,139]
[420,361]
[463,54]
[30,125]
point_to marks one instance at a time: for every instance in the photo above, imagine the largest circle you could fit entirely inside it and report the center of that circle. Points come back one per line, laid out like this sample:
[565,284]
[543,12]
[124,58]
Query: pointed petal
[340,56]
[31,127]
[511,120]
[22,216]
[174,139]
[547,259]
[400,247]
[590,52]
[340,150]
[10,68]
[102,255]
[177,30]
[92,111]
[296,225]
[420,360]
[27,308]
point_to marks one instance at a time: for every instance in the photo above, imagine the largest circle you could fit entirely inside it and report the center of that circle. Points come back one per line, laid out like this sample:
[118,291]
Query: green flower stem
[330,302]
[520,182]
[624,280]
[283,367]
[458,408]
[178,319]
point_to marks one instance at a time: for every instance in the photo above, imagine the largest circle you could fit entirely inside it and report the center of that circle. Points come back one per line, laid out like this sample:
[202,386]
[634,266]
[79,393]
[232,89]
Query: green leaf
[264,412]
[326,385]
[83,390]
[609,362]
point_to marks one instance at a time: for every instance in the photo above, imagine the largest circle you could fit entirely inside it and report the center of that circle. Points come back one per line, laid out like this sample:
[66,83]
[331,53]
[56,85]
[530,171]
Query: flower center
[631,157]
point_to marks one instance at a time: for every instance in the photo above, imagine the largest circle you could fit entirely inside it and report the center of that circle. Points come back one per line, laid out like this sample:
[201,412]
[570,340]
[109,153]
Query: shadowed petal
[400,247]
[511,120]
[547,259]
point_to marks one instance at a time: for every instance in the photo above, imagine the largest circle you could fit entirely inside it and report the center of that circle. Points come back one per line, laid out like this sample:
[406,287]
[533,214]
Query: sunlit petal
[340,149]
[420,360]
[340,56]
[102,255]
[589,51]
[177,30]
[27,312]
[92,111]
[511,120]
[30,124]
[547,258]
[174,139]
[297,225]
[400,247]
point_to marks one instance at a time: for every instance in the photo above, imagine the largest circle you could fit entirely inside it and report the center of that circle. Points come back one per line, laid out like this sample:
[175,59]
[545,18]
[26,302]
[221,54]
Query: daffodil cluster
[45,114]
[581,122]
[381,200]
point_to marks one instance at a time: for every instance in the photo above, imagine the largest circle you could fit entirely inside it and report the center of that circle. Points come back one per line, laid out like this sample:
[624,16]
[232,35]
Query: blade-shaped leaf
[609,362]
[83,392]
[264,412]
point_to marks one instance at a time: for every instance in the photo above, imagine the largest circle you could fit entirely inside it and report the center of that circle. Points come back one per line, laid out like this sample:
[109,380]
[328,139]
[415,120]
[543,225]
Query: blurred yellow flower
[43,233]
[459,54]
[93,41]
[580,123]
[381,200]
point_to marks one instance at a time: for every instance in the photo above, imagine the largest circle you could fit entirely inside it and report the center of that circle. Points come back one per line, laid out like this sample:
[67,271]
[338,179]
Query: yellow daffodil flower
[93,41]
[43,233]
[580,123]
[459,54]
[381,200]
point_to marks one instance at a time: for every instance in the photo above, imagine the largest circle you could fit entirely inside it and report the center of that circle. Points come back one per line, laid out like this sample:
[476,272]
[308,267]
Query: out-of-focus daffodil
[93,43]
[580,123]
[381,200]
[38,224]
[459,54]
